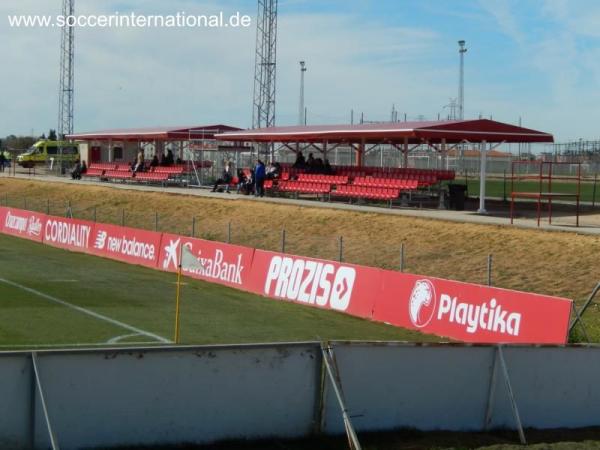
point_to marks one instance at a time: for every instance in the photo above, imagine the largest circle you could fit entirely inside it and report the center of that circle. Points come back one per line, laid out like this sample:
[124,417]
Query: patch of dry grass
[555,263]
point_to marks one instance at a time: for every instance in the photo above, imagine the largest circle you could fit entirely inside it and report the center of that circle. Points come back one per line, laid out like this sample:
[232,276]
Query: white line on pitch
[116,339]
[66,346]
[87,311]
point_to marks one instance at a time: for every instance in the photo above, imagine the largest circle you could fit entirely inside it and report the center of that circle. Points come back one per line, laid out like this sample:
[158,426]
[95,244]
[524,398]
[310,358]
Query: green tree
[52,135]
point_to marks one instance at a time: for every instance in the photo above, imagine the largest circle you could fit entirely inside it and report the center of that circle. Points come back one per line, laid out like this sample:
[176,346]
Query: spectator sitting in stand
[300,162]
[76,172]
[317,166]
[327,169]
[139,164]
[273,171]
[83,168]
[310,162]
[154,161]
[169,159]
[225,178]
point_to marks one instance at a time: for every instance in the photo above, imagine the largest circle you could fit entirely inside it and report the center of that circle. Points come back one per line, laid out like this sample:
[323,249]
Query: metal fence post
[193,226]
[229,232]
[94,214]
[402,257]
[341,248]
[156,221]
[283,240]
[489,270]
[504,187]
[68,211]
[123,217]
[594,190]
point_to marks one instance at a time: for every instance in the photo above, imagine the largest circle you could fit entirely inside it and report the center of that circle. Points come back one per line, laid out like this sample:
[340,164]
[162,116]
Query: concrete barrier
[200,394]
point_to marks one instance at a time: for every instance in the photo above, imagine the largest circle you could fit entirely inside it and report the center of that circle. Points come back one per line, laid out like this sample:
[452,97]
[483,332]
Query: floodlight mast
[67,72]
[301,115]
[461,80]
[263,111]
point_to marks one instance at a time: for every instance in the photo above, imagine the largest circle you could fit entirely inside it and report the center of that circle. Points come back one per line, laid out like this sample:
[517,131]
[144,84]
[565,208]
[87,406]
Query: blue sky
[538,59]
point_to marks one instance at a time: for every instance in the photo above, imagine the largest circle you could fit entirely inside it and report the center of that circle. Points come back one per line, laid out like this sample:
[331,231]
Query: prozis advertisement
[325,284]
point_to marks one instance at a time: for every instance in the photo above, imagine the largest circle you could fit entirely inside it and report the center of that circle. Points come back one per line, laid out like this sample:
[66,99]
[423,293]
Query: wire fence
[375,252]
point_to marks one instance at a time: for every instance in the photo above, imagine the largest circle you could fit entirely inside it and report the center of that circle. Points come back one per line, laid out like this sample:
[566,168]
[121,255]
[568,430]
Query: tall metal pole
[461,82]
[301,112]
[263,107]
[263,114]
[67,76]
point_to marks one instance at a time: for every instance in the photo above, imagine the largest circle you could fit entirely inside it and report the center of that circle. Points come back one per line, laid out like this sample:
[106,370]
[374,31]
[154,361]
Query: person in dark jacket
[259,178]
[225,178]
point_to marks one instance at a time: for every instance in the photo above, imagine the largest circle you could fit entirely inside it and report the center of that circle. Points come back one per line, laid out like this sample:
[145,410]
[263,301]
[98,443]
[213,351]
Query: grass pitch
[52,297]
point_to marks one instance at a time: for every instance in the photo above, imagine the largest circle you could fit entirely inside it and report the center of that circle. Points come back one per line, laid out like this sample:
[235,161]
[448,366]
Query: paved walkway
[498,216]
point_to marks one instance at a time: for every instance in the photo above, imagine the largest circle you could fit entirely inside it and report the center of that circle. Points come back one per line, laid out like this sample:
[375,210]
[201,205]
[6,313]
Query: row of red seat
[122,175]
[303,187]
[110,167]
[319,178]
[367,192]
[399,183]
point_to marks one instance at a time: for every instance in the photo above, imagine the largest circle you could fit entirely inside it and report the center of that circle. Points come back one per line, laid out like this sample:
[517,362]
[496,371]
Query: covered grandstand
[442,136]
[109,153]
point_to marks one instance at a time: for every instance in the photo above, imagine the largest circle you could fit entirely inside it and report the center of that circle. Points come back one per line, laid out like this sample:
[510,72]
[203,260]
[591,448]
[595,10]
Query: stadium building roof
[452,131]
[154,133]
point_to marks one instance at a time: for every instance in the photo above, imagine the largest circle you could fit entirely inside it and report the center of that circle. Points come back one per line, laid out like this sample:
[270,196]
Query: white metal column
[482,172]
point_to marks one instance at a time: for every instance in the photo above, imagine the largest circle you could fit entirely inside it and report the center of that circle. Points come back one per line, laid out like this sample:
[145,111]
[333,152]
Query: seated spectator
[178,160]
[154,162]
[76,172]
[83,167]
[300,162]
[169,159]
[246,183]
[163,160]
[225,178]
[327,169]
[317,166]
[139,164]
[310,162]
[273,171]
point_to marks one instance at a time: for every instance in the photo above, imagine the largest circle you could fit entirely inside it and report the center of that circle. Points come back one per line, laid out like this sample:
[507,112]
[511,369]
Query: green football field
[52,298]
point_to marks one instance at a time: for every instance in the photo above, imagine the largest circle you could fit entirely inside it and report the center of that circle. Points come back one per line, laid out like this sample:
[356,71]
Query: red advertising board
[126,244]
[324,284]
[471,313]
[70,234]
[221,263]
[25,224]
[3,211]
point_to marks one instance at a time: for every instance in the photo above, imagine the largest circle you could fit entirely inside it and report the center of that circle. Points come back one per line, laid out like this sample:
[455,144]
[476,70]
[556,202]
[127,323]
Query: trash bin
[457,194]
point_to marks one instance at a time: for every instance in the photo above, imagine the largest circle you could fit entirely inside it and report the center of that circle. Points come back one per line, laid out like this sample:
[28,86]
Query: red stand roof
[154,133]
[395,133]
